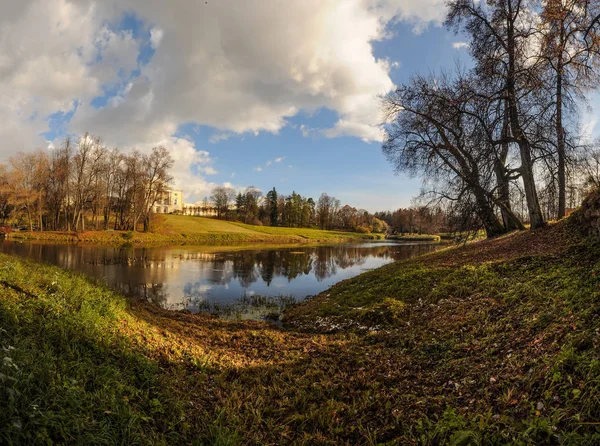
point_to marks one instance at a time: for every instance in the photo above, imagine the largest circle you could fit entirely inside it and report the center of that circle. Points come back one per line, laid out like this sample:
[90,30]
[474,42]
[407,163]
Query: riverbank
[415,238]
[494,342]
[178,229]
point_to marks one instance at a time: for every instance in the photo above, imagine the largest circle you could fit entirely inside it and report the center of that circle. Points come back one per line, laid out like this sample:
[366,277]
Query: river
[231,282]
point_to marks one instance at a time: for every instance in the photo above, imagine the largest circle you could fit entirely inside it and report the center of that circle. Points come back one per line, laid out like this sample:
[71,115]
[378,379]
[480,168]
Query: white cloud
[219,136]
[54,54]
[588,128]
[460,45]
[269,163]
[215,64]
[222,67]
[208,170]
[306,131]
[367,133]
[156,36]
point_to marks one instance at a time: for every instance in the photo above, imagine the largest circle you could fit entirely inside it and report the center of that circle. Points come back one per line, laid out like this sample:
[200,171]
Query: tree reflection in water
[198,279]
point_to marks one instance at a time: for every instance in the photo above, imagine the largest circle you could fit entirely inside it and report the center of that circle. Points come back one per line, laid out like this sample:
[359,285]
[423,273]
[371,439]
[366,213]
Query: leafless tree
[222,197]
[447,131]
[502,33]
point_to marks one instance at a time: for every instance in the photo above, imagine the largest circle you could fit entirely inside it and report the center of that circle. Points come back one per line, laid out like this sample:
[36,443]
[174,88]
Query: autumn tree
[569,50]
[25,185]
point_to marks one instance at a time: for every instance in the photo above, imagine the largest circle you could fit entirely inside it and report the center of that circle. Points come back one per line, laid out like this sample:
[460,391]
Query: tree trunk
[492,225]
[29,219]
[560,143]
[536,218]
[509,219]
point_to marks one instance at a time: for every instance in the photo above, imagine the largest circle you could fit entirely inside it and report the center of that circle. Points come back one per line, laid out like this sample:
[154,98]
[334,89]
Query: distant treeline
[417,220]
[293,211]
[83,181]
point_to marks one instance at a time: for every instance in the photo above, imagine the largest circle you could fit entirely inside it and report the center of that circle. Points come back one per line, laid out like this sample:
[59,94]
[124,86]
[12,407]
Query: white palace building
[171,202]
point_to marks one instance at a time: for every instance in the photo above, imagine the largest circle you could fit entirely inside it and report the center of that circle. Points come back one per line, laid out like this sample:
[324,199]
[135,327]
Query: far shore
[179,230]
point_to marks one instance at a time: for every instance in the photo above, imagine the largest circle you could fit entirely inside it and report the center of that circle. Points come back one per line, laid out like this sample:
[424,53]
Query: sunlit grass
[180,229]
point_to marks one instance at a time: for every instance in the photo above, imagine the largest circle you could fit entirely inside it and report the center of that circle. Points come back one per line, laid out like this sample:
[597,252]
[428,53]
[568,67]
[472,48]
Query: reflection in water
[197,279]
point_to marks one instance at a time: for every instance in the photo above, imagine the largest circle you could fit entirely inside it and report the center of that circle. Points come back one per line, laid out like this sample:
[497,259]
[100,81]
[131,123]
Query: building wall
[169,202]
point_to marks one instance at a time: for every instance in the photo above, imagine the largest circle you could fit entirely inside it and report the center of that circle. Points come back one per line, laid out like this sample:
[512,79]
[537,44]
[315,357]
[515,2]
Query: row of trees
[293,210]
[417,220]
[83,180]
[506,131]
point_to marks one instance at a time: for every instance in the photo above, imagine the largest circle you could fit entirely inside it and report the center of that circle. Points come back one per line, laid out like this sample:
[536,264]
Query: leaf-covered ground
[496,342]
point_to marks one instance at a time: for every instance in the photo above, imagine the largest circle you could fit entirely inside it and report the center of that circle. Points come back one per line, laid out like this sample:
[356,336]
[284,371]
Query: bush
[128,235]
[379,226]
[363,229]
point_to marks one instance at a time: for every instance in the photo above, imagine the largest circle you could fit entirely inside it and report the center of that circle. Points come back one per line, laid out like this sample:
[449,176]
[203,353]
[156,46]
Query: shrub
[363,229]
[128,235]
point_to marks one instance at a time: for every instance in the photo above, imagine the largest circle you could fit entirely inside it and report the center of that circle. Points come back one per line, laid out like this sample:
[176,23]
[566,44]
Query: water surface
[247,283]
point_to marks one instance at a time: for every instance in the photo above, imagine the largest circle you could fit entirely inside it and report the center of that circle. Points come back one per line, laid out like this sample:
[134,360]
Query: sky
[266,93]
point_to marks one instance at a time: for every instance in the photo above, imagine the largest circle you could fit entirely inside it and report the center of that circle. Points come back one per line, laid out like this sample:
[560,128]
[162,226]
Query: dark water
[246,283]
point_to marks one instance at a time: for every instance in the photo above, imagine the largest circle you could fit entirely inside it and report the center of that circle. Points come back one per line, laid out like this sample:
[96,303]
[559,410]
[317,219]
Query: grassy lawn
[495,342]
[169,229]
[182,224]
[308,234]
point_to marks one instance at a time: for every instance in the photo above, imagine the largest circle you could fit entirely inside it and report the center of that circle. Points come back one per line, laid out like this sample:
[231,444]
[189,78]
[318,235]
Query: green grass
[179,229]
[68,375]
[181,224]
[495,342]
[502,347]
[192,226]
[310,234]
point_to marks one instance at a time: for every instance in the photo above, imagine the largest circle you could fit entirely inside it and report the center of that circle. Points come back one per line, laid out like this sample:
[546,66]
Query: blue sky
[239,97]
[354,171]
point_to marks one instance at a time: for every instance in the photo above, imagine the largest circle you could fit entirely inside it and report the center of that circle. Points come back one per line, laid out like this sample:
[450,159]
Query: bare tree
[221,197]
[502,33]
[85,172]
[155,180]
[445,130]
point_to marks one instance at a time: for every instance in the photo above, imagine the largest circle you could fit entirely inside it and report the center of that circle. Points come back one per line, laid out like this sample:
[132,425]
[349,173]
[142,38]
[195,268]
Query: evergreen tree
[272,204]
